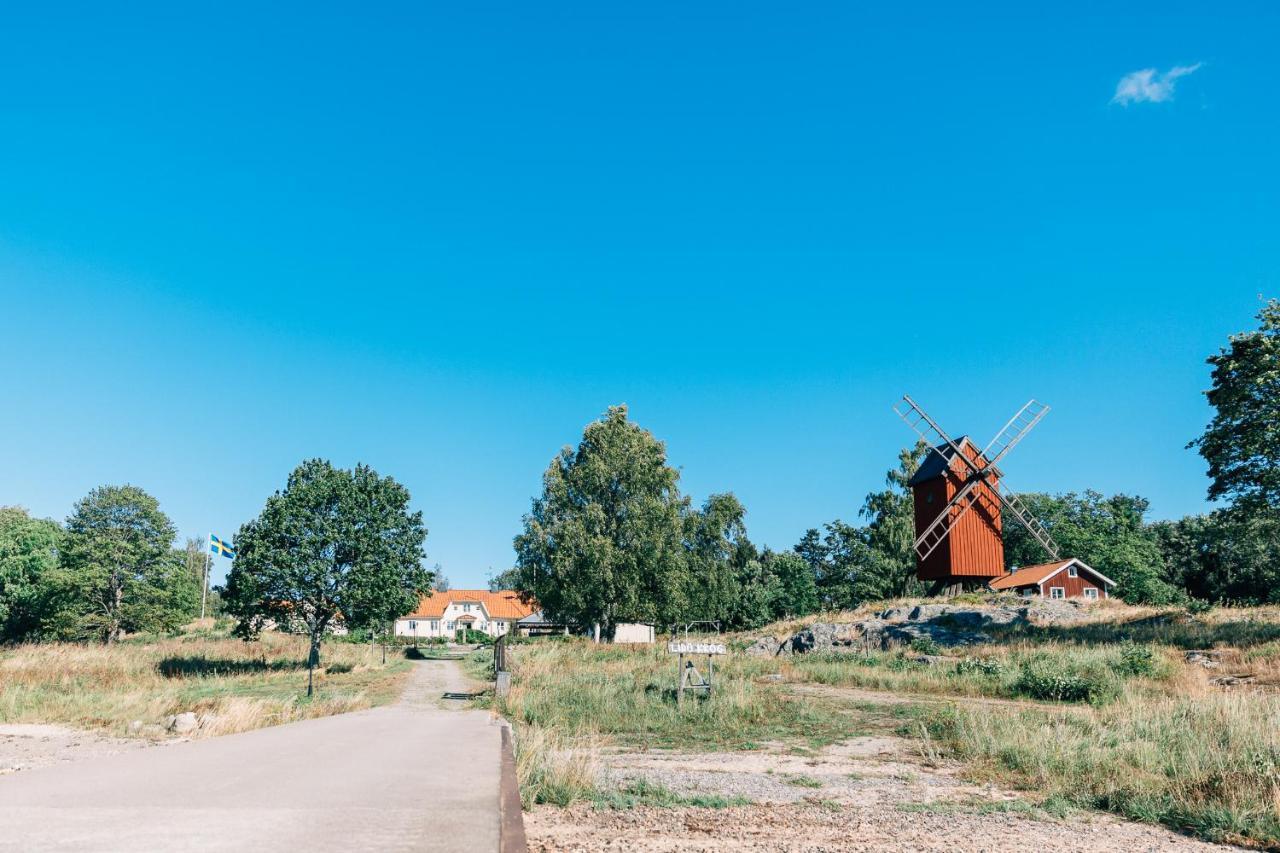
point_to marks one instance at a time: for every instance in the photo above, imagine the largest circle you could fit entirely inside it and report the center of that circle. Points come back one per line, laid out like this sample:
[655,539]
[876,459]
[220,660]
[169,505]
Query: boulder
[183,723]
[762,647]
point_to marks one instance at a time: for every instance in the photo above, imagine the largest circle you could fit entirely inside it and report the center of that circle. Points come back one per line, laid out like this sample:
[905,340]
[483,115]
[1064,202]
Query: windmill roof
[939,460]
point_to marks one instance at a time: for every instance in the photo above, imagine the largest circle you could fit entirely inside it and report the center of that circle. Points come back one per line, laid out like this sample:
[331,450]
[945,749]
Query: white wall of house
[457,615]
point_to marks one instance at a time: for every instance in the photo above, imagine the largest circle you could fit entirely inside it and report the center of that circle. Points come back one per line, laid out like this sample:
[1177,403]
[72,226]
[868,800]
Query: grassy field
[1106,714]
[235,686]
[570,699]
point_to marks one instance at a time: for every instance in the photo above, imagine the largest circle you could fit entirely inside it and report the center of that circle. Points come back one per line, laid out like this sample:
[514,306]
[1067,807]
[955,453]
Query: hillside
[1055,711]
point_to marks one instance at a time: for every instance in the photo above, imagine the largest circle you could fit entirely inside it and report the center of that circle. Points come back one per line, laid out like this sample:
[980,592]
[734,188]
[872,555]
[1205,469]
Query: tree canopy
[1242,442]
[28,559]
[333,544]
[604,542]
[119,571]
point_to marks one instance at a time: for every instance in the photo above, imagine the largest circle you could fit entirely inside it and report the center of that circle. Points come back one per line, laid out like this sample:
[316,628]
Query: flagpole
[204,587]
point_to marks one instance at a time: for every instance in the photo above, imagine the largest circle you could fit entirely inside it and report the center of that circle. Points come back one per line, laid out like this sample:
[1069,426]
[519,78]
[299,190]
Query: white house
[444,614]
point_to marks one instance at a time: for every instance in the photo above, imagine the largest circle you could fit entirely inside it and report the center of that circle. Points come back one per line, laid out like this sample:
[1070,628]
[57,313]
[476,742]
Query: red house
[1064,579]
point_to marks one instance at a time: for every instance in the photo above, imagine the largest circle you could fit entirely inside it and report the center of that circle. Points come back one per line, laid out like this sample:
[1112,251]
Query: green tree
[28,557]
[856,564]
[713,560]
[836,556]
[1242,442]
[1108,533]
[509,579]
[796,585]
[334,544]
[1231,555]
[890,567]
[118,570]
[604,541]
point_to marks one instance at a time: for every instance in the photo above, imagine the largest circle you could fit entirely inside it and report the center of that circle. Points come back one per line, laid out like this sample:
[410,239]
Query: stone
[1205,658]
[762,647]
[135,727]
[183,723]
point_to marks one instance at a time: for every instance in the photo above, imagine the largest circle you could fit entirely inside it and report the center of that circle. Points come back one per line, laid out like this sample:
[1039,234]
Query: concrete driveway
[418,775]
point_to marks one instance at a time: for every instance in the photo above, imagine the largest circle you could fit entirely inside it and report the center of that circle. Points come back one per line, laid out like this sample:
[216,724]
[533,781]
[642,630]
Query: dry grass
[571,698]
[1160,740]
[235,686]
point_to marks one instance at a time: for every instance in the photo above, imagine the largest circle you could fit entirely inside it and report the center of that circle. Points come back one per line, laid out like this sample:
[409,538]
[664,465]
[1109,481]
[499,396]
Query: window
[1057,592]
[502,626]
[1071,572]
[1090,592]
[435,624]
[449,625]
[413,626]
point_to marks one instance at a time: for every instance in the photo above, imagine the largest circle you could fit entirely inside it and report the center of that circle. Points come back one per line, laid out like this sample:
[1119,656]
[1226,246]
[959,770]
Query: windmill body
[962,500]
[973,549]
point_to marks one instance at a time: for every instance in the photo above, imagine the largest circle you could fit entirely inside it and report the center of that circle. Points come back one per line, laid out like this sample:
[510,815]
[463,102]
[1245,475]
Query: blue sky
[441,240]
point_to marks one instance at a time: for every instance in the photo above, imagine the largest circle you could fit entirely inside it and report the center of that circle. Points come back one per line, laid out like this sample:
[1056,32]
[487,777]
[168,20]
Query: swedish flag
[222,549]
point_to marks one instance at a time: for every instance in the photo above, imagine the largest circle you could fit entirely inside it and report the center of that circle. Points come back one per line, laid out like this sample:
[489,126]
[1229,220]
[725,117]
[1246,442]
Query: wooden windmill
[961,498]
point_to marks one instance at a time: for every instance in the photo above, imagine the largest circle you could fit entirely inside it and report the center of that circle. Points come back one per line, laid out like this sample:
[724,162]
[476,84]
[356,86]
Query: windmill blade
[1019,511]
[938,529]
[931,433]
[1014,431]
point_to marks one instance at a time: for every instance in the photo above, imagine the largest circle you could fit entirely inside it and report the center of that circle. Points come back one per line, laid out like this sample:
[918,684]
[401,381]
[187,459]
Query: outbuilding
[1063,579]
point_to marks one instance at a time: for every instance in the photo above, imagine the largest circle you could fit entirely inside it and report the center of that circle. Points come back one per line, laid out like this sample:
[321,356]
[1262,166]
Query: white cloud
[1149,85]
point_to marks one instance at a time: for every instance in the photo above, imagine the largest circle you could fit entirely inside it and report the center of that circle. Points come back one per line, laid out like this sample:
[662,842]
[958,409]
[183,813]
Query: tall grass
[570,699]
[1044,671]
[234,686]
[1208,764]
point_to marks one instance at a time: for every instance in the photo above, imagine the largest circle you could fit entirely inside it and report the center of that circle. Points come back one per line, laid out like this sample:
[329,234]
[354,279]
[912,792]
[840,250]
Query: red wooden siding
[973,548]
[1074,587]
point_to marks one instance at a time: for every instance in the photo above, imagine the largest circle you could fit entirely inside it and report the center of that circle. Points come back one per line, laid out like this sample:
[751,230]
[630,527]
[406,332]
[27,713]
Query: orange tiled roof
[503,604]
[1028,575]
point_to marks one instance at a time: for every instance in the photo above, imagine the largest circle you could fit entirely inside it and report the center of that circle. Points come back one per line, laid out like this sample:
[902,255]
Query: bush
[1134,659]
[1057,680]
[979,666]
[926,646]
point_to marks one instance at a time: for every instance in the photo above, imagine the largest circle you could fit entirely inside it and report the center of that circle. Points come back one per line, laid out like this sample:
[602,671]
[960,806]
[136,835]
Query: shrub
[926,646]
[1054,679]
[979,666]
[1135,659]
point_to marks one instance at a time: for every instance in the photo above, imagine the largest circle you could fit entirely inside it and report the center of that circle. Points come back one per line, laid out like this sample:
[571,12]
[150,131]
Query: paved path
[418,775]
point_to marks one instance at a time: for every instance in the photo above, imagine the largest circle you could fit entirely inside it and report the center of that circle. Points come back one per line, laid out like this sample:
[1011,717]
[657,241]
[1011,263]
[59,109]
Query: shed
[633,632]
[1073,578]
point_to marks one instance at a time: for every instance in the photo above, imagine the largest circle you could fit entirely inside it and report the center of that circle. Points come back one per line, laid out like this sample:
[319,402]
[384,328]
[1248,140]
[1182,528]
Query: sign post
[687,675]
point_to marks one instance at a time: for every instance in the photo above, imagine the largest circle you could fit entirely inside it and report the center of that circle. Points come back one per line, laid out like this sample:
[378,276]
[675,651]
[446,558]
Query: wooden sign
[685,647]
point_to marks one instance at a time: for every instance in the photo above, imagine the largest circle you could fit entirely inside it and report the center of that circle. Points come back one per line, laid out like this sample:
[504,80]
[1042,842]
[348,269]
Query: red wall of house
[1074,587]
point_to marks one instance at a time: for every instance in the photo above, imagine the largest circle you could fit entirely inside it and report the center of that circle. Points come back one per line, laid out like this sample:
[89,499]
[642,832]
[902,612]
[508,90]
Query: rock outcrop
[947,625]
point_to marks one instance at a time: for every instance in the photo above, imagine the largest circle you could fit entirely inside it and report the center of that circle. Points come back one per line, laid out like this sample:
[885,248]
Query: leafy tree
[856,564]
[28,557]
[890,568]
[1231,555]
[1242,442]
[508,579]
[797,588]
[603,543]
[334,544]
[836,556]
[713,537]
[1107,533]
[118,570]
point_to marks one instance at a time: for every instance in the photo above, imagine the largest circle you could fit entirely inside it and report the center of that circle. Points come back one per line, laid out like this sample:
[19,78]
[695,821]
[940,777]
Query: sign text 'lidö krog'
[687,648]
